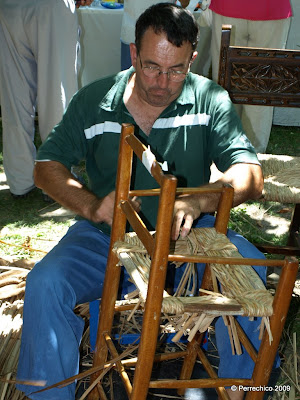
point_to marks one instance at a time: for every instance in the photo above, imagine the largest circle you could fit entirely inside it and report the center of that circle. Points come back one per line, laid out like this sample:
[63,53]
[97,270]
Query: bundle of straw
[12,290]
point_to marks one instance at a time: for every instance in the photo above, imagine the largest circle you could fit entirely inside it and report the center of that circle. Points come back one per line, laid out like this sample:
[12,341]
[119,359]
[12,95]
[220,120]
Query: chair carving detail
[274,80]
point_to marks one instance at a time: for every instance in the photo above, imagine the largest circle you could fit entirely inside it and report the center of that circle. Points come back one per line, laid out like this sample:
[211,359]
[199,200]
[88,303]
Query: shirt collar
[114,96]
[187,95]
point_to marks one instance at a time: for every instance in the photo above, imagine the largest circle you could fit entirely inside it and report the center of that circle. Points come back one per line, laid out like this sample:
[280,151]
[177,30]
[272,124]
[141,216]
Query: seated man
[189,122]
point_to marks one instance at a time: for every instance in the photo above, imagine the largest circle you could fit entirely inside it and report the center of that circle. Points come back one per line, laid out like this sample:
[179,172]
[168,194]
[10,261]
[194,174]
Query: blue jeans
[73,273]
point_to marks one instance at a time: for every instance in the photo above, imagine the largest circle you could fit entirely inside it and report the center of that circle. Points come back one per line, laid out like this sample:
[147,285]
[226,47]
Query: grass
[40,233]
[30,222]
[284,140]
[244,222]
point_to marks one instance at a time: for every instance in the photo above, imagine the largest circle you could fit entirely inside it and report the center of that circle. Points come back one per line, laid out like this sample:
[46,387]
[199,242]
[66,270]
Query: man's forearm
[247,181]
[58,182]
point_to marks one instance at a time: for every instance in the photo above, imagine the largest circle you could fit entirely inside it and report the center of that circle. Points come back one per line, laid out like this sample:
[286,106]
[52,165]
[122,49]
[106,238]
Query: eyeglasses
[173,75]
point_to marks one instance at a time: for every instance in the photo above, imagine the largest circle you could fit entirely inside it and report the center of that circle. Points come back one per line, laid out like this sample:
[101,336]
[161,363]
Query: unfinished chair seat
[243,292]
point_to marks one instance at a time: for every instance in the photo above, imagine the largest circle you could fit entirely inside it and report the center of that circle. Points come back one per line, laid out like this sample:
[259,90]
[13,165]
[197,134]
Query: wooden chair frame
[159,250]
[264,77]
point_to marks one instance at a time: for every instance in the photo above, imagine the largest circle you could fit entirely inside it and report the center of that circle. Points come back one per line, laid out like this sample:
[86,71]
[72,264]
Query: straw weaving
[242,291]
[282,182]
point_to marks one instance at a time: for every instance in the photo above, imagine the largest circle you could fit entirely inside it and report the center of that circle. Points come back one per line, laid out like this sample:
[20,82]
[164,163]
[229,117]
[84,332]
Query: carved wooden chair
[145,256]
[267,77]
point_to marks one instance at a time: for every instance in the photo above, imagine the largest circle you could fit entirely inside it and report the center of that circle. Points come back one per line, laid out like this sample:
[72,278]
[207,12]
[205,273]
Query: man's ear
[133,54]
[194,56]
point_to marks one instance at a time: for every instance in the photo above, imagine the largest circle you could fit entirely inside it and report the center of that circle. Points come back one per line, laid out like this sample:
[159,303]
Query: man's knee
[45,278]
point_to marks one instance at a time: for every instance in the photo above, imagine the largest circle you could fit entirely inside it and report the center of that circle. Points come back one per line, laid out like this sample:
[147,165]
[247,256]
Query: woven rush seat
[281,178]
[243,292]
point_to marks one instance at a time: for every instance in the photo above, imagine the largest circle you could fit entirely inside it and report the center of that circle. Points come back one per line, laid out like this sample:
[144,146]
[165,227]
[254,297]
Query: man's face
[157,52]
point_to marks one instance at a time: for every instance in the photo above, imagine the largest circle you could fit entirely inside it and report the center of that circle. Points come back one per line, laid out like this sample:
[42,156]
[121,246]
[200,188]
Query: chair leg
[113,271]
[144,366]
[106,315]
[212,373]
[192,347]
[190,360]
[150,328]
[157,278]
[267,351]
[120,368]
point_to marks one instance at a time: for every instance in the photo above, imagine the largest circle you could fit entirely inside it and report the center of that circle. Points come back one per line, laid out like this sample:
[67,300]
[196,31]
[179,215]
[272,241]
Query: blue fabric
[73,273]
[125,56]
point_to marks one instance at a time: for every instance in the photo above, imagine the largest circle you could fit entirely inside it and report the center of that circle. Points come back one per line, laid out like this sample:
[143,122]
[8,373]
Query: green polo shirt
[196,129]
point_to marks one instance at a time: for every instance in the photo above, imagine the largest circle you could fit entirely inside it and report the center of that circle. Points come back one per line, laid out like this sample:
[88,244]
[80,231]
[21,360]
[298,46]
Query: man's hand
[247,181]
[58,182]
[103,209]
[186,210]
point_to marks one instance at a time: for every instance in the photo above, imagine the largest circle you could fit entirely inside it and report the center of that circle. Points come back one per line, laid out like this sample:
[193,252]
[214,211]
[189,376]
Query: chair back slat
[259,76]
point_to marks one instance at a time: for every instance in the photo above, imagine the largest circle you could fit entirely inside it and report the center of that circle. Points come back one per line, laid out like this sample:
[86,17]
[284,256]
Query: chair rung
[198,383]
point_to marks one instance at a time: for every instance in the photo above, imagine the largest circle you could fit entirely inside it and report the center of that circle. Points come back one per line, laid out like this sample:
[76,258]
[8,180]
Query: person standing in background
[132,10]
[38,67]
[255,23]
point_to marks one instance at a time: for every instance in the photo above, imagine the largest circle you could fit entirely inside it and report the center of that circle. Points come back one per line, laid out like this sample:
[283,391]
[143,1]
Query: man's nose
[163,79]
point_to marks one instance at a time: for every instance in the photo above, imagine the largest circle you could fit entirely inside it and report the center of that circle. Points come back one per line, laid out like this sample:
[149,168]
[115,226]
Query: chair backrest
[130,145]
[259,76]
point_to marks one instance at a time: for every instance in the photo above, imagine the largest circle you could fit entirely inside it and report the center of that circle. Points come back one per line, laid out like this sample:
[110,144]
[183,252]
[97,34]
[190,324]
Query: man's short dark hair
[178,24]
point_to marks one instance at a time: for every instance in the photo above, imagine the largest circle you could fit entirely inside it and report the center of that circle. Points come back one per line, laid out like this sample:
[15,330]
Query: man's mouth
[159,92]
